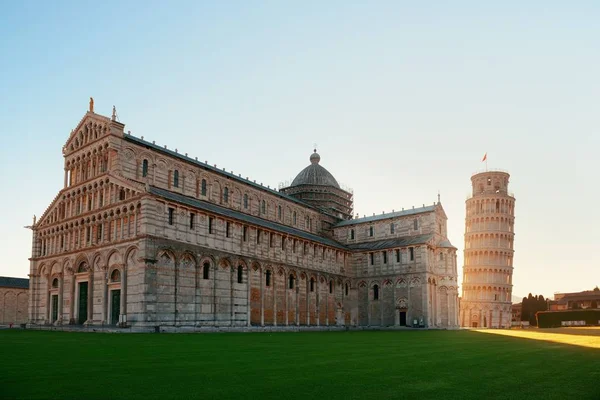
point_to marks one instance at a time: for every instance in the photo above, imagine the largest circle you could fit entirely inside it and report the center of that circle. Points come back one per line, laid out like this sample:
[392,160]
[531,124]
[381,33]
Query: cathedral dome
[314,174]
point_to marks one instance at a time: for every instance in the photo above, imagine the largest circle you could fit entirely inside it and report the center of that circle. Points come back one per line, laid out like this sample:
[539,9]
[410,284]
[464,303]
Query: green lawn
[310,365]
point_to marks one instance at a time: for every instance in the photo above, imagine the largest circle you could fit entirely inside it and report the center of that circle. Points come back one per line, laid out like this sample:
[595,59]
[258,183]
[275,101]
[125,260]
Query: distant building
[516,312]
[574,301]
[14,297]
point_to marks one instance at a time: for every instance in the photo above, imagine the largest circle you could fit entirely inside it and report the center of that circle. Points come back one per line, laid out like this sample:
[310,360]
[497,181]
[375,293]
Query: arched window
[82,267]
[291,283]
[376,292]
[115,276]
[176,178]
[240,274]
[145,168]
[203,187]
[346,289]
[122,194]
[55,283]
[205,270]
[245,201]
[226,195]
[263,207]
[268,278]
[312,284]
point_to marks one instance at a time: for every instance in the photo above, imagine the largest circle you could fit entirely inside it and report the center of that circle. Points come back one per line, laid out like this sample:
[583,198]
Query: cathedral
[144,236]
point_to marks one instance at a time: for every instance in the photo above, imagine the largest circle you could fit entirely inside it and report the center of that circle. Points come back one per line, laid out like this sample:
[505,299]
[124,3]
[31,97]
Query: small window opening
[227,228]
[371,258]
[203,187]
[411,251]
[371,231]
[206,270]
[268,278]
[176,178]
[330,287]
[171,215]
[210,224]
[346,289]
[312,284]
[376,292]
[145,168]
[291,281]
[384,257]
[240,274]
[352,234]
[192,217]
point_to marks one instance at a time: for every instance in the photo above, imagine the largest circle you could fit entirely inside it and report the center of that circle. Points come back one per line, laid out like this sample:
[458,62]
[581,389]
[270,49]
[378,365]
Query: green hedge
[553,319]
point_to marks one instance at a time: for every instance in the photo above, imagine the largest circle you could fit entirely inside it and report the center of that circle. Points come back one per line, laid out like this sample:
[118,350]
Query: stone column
[381,304]
[105,310]
[123,305]
[296,303]
[248,285]
[60,298]
[274,298]
[72,302]
[90,304]
[262,299]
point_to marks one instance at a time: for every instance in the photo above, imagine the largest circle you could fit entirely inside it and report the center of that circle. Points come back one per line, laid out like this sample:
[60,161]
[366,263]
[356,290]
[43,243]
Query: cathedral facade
[144,236]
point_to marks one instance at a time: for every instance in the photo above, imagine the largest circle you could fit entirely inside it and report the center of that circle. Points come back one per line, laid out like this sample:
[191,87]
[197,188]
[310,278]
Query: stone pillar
[105,310]
[123,305]
[248,285]
[90,304]
[60,298]
[72,302]
[262,298]
[274,298]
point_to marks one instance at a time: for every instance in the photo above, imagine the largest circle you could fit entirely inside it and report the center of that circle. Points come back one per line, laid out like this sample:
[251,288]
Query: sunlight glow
[584,337]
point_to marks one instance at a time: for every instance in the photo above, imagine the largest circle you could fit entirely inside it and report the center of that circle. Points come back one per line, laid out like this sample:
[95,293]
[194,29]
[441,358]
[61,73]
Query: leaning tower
[488,261]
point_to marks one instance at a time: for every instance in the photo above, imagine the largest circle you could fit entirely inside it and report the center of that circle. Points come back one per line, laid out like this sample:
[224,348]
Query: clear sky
[402,98]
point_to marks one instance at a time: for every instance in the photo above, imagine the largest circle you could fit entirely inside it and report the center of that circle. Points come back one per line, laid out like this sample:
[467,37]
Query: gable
[57,210]
[91,128]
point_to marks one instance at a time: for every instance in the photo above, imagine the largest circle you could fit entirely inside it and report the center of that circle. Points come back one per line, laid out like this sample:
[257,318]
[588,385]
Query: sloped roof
[391,243]
[386,216]
[250,219]
[446,244]
[19,283]
[209,167]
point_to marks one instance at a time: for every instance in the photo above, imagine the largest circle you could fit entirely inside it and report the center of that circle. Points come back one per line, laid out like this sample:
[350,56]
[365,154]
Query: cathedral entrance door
[115,306]
[83,303]
[54,308]
[402,318]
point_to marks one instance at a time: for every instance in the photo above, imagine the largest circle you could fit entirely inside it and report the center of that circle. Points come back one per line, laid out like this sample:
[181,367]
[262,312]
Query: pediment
[91,128]
[56,211]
